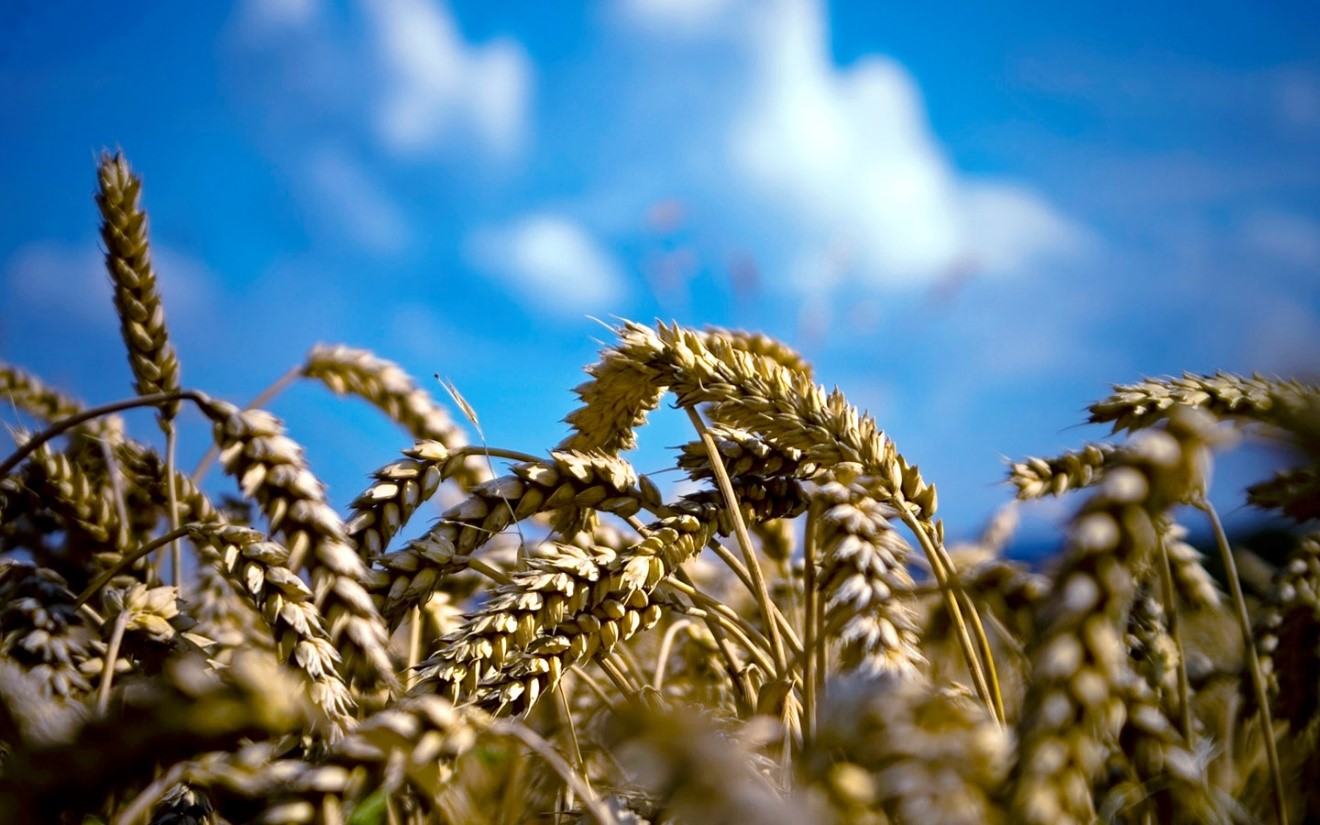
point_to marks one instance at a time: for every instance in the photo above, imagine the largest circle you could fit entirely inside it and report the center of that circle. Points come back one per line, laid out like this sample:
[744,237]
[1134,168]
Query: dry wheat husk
[137,298]
[573,603]
[271,470]
[397,490]
[569,484]
[1074,708]
[898,749]
[863,569]
[27,393]
[43,631]
[1073,470]
[188,710]
[385,385]
[1295,493]
[685,766]
[410,746]
[1288,634]
[258,569]
[1254,398]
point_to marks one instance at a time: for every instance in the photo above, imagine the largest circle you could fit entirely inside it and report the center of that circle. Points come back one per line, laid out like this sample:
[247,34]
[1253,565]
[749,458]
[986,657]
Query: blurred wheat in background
[790,638]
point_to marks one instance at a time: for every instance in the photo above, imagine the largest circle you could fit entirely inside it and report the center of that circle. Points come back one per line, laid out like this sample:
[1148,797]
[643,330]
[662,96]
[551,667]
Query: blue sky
[972,219]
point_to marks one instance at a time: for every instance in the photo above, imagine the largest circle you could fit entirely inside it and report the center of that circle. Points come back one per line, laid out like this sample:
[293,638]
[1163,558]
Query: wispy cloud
[52,276]
[438,85]
[684,15]
[550,262]
[261,18]
[354,204]
[1283,238]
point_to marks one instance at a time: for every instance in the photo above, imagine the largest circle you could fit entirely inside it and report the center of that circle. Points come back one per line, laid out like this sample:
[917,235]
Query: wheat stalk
[384,384]
[863,566]
[1039,477]
[570,484]
[1074,705]
[270,469]
[137,299]
[1134,406]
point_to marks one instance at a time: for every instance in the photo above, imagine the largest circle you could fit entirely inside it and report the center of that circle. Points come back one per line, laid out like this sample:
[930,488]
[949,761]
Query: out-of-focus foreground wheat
[793,642]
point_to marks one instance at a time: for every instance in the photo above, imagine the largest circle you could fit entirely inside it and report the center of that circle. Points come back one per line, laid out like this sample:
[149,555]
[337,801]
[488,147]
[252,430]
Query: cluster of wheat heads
[792,642]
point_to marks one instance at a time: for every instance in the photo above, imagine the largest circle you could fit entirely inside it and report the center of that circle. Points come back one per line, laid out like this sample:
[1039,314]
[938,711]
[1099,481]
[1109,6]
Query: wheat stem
[128,559]
[941,573]
[541,748]
[261,399]
[414,645]
[744,541]
[739,570]
[811,625]
[1175,631]
[62,426]
[737,673]
[111,655]
[176,549]
[750,638]
[662,656]
[1253,658]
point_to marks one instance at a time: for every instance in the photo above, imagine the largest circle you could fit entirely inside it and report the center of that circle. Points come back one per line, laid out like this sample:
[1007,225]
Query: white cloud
[71,279]
[355,204]
[1284,237]
[847,155]
[439,84]
[689,16]
[261,17]
[550,261]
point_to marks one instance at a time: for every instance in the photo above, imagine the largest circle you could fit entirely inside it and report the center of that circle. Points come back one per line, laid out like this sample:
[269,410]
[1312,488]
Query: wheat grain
[1295,493]
[903,748]
[137,299]
[258,568]
[27,393]
[390,389]
[1039,477]
[271,470]
[190,709]
[863,565]
[1193,583]
[1074,707]
[743,454]
[588,601]
[1134,406]
[43,631]
[570,484]
[1289,635]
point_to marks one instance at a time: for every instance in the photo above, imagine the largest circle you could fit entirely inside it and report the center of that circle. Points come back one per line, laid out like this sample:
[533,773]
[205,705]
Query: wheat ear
[1074,705]
[271,470]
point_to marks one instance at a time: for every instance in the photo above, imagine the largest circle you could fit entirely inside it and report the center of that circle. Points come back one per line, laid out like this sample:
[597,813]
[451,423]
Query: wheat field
[794,641]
